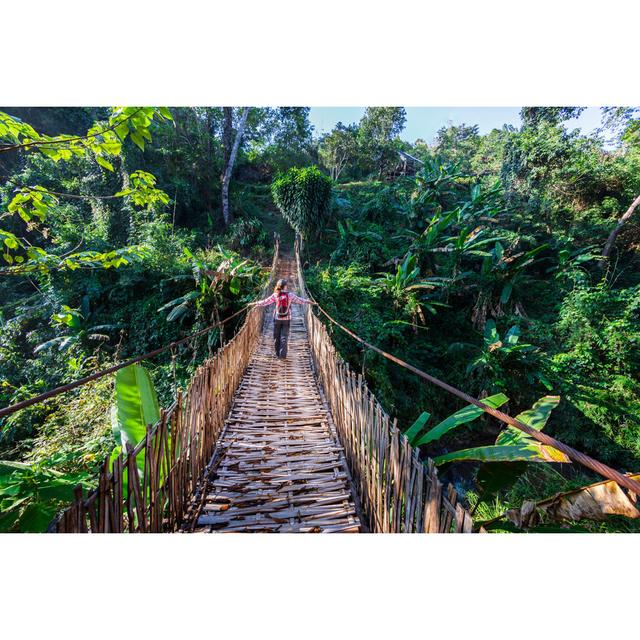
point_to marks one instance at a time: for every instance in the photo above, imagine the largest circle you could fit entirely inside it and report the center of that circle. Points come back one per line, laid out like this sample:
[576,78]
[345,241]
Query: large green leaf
[512,336]
[536,418]
[506,293]
[36,517]
[414,430]
[187,297]
[56,488]
[490,333]
[136,404]
[465,415]
[8,519]
[491,453]
[234,285]
[9,466]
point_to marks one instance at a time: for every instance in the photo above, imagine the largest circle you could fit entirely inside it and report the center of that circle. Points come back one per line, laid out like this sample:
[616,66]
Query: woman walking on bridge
[281,314]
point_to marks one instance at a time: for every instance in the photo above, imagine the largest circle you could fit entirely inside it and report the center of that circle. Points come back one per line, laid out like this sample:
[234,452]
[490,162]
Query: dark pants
[280,337]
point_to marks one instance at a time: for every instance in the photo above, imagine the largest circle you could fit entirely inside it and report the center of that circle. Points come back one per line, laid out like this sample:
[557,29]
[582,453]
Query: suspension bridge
[258,444]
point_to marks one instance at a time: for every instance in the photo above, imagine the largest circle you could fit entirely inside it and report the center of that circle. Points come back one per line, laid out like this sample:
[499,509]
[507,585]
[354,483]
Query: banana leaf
[36,517]
[512,336]
[186,298]
[9,466]
[491,453]
[414,430]
[465,415]
[136,404]
[490,333]
[536,418]
[506,293]
[50,343]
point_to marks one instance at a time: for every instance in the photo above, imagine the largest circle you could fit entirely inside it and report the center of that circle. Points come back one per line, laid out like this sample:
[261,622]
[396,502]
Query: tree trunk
[614,234]
[226,179]
[227,135]
[120,224]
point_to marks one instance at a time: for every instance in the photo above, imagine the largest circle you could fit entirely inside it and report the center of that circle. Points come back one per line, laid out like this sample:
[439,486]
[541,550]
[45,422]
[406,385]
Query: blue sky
[424,122]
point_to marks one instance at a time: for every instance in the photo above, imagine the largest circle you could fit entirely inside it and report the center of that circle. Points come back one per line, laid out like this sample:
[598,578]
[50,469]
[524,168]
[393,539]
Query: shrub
[303,197]
[246,233]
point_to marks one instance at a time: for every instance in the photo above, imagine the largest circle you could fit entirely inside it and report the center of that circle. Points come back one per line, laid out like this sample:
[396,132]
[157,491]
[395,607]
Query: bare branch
[614,234]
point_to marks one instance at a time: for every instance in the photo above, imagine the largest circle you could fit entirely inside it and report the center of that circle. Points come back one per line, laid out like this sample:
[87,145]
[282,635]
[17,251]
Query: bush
[598,369]
[246,233]
[303,197]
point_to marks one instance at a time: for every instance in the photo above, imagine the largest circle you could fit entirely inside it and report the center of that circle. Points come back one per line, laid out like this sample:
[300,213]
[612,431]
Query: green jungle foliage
[481,265]
[303,197]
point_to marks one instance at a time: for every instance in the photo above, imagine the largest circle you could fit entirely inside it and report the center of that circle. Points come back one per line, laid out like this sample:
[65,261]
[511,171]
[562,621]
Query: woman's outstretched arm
[265,302]
[298,300]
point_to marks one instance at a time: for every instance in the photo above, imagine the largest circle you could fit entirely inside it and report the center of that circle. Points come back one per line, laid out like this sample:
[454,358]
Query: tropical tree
[404,285]
[497,360]
[618,228]
[231,151]
[31,204]
[78,329]
[218,276]
[456,145]
[534,116]
[338,148]
[502,279]
[32,493]
[377,132]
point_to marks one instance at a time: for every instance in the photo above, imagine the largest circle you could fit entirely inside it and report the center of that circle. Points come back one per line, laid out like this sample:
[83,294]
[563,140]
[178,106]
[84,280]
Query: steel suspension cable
[99,374]
[577,456]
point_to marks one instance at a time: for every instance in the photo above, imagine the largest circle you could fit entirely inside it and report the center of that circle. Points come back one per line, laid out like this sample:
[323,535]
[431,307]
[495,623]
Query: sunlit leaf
[104,163]
[136,402]
[463,416]
[490,453]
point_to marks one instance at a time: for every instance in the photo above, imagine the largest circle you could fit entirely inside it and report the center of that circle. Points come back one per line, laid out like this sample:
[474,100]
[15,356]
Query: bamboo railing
[398,492]
[148,487]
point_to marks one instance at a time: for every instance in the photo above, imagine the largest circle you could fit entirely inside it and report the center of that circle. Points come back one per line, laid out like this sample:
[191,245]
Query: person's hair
[280,285]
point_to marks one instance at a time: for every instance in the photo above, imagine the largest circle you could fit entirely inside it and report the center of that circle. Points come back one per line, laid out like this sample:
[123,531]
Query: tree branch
[67,195]
[38,143]
[614,234]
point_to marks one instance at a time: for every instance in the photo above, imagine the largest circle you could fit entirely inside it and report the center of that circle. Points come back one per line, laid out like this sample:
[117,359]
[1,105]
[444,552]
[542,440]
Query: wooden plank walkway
[279,466]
